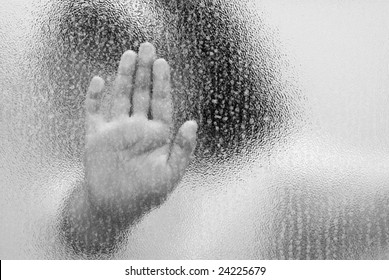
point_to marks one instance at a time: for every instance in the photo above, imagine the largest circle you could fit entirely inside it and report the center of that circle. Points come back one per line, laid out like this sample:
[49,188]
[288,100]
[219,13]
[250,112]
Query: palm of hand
[128,158]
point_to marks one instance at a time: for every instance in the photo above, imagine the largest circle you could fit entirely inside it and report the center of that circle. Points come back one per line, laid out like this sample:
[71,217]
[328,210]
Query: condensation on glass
[291,98]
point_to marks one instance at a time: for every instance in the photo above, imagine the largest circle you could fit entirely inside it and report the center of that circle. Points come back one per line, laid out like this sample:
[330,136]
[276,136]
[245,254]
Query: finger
[161,103]
[123,85]
[141,98]
[183,147]
[94,95]
[92,103]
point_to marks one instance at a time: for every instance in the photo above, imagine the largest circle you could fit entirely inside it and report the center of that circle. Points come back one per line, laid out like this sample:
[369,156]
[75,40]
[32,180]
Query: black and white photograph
[194,130]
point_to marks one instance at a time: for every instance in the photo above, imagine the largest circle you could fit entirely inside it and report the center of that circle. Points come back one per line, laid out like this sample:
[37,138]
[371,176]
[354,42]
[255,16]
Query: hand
[130,159]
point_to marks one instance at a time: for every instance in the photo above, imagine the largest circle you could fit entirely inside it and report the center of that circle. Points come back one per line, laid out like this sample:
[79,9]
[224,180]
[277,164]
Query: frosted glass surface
[291,98]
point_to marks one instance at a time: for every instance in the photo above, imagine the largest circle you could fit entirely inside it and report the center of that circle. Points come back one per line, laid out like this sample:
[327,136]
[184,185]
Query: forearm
[90,230]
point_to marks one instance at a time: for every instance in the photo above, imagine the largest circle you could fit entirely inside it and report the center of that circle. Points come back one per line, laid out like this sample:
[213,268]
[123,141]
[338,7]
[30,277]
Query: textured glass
[292,102]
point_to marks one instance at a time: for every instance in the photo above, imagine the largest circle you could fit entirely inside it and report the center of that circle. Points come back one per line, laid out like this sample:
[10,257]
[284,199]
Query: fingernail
[146,52]
[96,84]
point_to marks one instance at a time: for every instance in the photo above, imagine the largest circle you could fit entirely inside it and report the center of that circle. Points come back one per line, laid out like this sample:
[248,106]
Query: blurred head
[224,75]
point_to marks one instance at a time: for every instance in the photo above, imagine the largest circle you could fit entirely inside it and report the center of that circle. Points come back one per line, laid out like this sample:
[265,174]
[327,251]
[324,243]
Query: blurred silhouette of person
[136,153]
